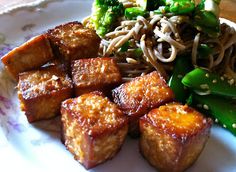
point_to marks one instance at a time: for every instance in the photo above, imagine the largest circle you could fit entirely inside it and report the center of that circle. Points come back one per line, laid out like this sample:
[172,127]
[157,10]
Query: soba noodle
[161,39]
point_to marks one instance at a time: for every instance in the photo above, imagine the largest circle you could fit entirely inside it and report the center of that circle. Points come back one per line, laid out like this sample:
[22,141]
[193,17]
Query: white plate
[26,147]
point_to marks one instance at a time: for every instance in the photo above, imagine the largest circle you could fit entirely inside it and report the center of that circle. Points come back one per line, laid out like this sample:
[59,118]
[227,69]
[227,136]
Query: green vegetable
[164,6]
[150,5]
[209,5]
[181,6]
[134,12]
[182,66]
[162,10]
[125,46]
[105,14]
[206,17]
[138,52]
[223,110]
[204,51]
[189,100]
[207,22]
[203,81]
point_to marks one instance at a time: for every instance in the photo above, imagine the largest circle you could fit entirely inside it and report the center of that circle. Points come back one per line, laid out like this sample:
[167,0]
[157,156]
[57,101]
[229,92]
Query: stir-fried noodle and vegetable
[143,40]
[147,35]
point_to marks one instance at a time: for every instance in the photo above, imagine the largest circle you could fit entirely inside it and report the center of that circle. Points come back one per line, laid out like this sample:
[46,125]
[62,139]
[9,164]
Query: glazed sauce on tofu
[73,41]
[143,93]
[149,89]
[95,72]
[37,82]
[95,114]
[178,120]
[94,128]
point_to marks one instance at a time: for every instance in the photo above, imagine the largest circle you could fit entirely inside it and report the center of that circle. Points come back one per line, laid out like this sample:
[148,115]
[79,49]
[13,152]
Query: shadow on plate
[218,155]
[128,159]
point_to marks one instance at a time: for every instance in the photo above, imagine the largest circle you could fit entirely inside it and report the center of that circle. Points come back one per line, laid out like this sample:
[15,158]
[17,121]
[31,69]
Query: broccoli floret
[104,14]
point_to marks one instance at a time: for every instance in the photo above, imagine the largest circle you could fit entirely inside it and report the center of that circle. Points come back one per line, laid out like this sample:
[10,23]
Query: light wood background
[228,7]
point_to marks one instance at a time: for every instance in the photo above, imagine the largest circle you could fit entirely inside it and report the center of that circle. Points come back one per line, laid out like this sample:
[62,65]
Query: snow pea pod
[125,47]
[176,7]
[203,81]
[223,110]
[182,66]
[181,6]
[162,10]
[206,17]
[204,51]
[150,5]
[207,22]
[133,12]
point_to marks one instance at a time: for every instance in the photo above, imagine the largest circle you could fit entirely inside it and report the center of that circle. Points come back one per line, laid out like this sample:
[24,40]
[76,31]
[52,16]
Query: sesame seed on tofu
[95,74]
[173,133]
[137,97]
[41,92]
[73,41]
[94,128]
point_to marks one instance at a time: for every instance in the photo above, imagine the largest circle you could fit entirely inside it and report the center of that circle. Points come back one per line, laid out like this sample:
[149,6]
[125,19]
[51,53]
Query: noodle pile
[155,42]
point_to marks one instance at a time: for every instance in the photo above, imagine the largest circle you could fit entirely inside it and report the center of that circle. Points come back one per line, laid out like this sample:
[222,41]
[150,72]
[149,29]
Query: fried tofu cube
[95,74]
[73,41]
[137,97]
[94,128]
[30,55]
[41,92]
[173,136]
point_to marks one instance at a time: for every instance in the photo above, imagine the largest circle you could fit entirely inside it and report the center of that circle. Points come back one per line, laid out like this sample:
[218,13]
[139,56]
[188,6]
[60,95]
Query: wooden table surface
[228,7]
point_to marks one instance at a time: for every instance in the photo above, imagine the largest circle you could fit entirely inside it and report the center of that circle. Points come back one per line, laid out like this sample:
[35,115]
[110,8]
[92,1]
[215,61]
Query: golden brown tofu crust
[30,55]
[95,74]
[104,116]
[137,97]
[93,128]
[41,92]
[73,41]
[173,136]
